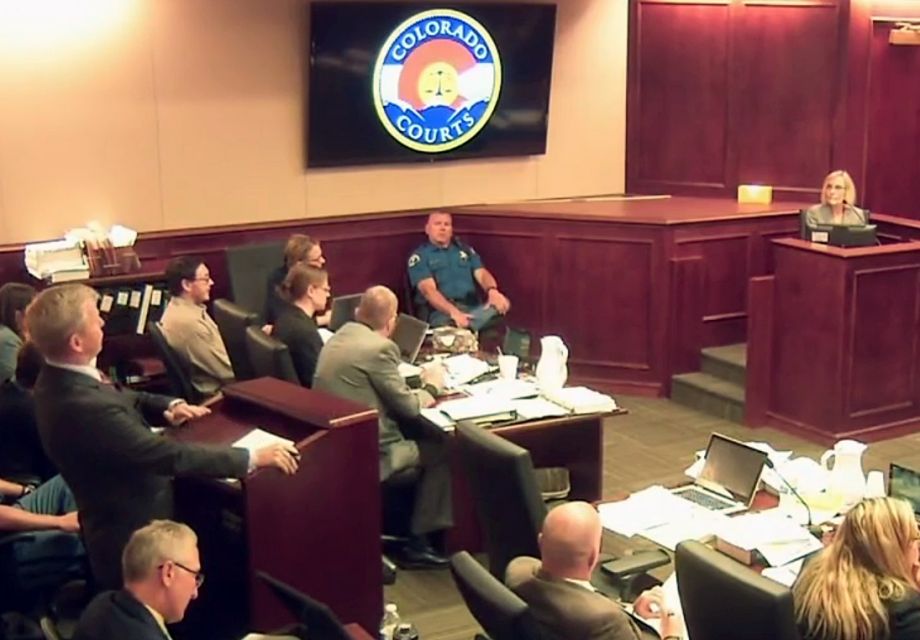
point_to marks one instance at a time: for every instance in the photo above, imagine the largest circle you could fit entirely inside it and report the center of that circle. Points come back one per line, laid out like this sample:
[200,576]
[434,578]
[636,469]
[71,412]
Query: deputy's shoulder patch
[471,249]
[414,260]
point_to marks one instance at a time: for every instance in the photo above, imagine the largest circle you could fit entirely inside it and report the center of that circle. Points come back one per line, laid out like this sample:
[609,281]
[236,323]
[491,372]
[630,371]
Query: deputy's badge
[413,260]
[464,256]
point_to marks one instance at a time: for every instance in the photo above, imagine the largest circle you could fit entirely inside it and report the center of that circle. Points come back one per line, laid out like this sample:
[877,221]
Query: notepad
[258,439]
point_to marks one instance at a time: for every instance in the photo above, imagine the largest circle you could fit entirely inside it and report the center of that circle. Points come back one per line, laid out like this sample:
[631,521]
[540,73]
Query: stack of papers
[657,514]
[478,409]
[258,439]
[581,400]
[56,260]
[463,368]
[503,388]
[778,538]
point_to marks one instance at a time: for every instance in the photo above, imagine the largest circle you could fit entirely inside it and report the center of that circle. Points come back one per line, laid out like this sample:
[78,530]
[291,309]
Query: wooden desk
[318,530]
[834,344]
[574,442]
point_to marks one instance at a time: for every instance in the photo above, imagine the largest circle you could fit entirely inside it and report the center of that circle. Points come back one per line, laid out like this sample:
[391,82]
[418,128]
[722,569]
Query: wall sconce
[905,33]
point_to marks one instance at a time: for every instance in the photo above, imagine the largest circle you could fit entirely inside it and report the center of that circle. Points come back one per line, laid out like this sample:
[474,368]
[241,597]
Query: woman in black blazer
[306,292]
[864,584]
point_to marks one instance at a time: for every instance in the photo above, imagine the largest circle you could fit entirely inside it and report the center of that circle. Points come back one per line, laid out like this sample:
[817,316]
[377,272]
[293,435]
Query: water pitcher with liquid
[847,481]
[552,369]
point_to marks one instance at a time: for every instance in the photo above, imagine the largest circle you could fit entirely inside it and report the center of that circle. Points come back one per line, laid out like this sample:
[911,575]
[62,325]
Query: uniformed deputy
[444,273]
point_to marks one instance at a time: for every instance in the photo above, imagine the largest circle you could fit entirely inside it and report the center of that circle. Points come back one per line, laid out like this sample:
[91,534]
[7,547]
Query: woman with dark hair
[14,298]
[306,291]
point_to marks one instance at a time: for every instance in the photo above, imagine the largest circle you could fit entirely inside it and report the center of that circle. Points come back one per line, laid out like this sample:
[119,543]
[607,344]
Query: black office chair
[269,357]
[508,502]
[320,622]
[175,369]
[232,320]
[248,267]
[511,511]
[501,613]
[723,599]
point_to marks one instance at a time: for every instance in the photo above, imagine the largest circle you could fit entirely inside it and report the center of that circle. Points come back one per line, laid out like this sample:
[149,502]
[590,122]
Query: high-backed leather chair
[721,598]
[501,613]
[175,369]
[508,503]
[511,511]
[269,357]
[232,320]
[248,267]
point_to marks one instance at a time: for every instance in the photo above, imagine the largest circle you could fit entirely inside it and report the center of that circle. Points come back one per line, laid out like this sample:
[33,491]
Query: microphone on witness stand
[812,529]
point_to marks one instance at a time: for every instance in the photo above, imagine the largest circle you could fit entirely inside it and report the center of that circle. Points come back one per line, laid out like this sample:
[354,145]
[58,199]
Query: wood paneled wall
[779,92]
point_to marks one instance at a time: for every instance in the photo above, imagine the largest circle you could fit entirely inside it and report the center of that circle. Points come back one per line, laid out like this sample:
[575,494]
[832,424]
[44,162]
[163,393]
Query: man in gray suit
[360,363]
[559,590]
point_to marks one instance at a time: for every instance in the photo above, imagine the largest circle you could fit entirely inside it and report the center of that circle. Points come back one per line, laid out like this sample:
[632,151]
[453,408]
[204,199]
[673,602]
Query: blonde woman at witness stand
[838,198]
[864,585]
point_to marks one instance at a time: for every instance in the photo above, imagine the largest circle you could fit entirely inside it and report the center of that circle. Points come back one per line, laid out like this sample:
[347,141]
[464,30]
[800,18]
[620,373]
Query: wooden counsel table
[834,341]
[318,530]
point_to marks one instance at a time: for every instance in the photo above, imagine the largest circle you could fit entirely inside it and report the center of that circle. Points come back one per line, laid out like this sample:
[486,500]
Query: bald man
[559,590]
[361,363]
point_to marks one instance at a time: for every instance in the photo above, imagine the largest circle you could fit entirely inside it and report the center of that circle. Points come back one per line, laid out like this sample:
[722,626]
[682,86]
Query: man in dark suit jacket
[559,592]
[361,363]
[162,574]
[119,471]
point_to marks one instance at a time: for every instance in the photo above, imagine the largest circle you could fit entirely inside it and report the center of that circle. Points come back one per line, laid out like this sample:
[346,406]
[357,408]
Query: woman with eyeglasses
[838,203]
[864,584]
[300,249]
[305,291]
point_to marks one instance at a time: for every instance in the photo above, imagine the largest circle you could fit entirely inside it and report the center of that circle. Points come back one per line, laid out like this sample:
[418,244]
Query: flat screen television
[393,82]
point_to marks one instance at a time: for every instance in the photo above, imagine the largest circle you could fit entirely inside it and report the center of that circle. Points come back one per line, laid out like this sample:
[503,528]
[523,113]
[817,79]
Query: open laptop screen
[733,466]
[904,483]
[409,334]
[343,310]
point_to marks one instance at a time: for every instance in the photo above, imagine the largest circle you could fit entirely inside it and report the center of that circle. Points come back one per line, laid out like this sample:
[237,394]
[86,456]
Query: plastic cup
[507,367]
[875,485]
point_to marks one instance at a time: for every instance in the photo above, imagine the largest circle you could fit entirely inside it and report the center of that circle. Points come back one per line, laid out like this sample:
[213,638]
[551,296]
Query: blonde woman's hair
[843,593]
[150,546]
[849,187]
[55,315]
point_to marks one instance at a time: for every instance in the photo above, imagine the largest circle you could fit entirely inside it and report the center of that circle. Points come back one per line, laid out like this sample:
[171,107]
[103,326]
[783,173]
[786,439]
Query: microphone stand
[815,531]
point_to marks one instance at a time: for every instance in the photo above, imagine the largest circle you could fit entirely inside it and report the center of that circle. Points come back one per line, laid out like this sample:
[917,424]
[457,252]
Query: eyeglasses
[202,279]
[199,575]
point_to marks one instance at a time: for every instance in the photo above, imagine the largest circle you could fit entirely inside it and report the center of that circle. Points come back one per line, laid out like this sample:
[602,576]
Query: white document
[642,510]
[581,400]
[463,368]
[671,597]
[535,408]
[697,523]
[476,407]
[778,538]
[407,370]
[258,438]
[786,574]
[501,388]
[325,334]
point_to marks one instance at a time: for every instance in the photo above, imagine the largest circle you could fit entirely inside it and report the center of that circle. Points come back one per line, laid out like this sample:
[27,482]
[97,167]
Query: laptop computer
[409,335]
[729,478]
[904,483]
[343,310]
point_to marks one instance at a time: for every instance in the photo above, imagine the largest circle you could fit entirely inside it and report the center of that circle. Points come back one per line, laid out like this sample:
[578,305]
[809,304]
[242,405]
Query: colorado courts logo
[437,80]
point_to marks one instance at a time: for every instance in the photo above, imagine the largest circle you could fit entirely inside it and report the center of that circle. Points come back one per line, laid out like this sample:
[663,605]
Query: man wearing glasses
[162,574]
[188,328]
